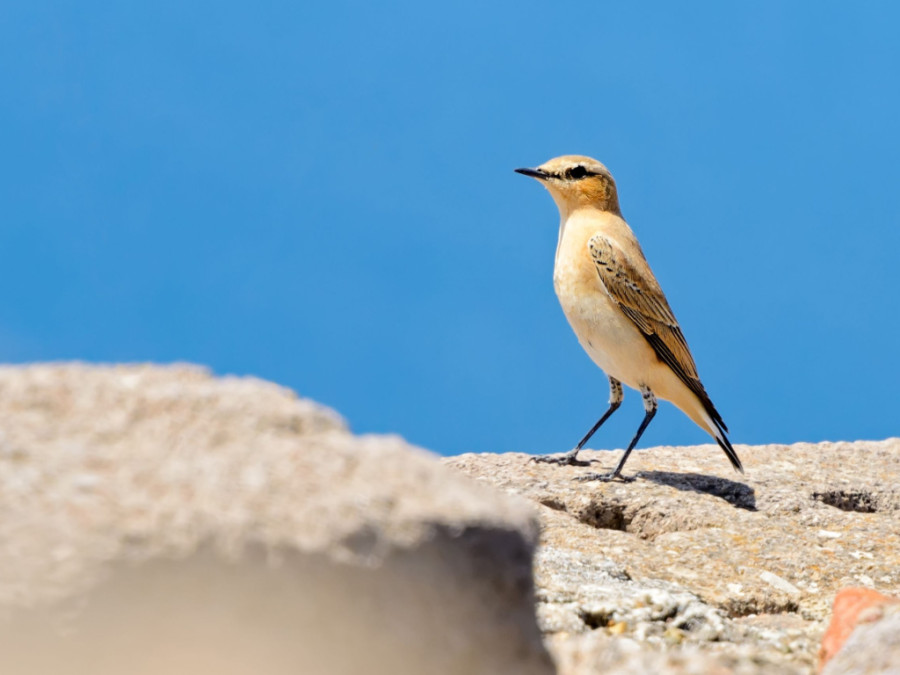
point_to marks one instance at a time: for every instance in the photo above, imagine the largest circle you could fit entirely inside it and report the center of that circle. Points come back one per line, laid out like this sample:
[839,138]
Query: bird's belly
[609,337]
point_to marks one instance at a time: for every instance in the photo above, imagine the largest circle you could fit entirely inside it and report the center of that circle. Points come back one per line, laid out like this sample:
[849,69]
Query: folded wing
[641,299]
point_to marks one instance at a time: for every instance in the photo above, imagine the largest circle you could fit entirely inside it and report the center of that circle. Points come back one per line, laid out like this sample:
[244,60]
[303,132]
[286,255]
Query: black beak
[534,173]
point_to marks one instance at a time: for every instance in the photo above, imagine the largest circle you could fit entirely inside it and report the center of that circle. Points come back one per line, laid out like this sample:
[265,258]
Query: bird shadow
[739,495]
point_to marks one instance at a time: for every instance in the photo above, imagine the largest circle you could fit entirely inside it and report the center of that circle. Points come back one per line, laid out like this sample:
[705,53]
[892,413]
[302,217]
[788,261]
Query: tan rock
[744,567]
[159,520]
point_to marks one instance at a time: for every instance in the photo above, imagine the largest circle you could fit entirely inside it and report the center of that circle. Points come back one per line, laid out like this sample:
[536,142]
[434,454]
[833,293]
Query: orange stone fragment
[852,606]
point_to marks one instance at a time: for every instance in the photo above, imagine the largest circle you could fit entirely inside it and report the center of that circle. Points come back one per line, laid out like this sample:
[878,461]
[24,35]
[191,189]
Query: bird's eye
[576,172]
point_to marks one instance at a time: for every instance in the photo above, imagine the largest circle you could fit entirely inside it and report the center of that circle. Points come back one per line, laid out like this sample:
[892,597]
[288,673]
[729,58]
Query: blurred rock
[693,568]
[877,647]
[160,520]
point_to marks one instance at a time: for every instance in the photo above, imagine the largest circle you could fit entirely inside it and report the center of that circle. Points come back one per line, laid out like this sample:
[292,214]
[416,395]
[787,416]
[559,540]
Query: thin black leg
[613,406]
[615,400]
[650,407]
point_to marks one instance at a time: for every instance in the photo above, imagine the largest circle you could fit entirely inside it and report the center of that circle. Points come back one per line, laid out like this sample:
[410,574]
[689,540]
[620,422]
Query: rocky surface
[859,608]
[693,568]
[160,520]
[873,647]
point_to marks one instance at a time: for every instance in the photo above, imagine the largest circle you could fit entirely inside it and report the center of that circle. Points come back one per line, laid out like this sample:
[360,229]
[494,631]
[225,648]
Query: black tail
[722,436]
[725,444]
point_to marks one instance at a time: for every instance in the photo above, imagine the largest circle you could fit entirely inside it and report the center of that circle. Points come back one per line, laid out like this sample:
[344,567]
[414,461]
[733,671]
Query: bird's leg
[650,406]
[615,400]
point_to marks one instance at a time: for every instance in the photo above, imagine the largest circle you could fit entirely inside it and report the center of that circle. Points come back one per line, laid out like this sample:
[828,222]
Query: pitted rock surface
[697,562]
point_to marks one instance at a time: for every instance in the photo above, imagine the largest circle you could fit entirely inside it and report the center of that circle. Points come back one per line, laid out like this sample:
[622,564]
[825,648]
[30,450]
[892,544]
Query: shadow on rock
[737,494]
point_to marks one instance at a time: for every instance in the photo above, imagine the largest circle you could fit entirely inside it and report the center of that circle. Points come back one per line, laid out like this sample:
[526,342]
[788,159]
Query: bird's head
[575,181]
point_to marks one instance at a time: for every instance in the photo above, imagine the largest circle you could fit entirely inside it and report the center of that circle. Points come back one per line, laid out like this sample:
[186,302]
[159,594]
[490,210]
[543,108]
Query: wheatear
[616,307]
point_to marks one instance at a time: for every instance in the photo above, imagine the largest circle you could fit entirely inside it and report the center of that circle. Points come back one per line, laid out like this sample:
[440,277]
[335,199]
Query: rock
[160,520]
[700,567]
[862,607]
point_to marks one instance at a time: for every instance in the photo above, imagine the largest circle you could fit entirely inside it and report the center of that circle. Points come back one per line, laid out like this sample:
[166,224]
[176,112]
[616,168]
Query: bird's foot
[604,477]
[565,459]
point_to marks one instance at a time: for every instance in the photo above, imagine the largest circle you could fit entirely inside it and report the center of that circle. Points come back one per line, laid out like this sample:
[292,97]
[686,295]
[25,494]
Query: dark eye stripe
[576,173]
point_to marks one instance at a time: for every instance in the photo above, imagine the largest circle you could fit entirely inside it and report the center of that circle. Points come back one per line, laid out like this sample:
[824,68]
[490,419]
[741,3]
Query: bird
[617,308]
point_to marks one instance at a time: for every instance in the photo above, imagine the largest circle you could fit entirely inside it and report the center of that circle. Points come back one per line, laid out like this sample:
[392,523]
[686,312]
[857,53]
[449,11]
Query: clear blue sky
[322,194]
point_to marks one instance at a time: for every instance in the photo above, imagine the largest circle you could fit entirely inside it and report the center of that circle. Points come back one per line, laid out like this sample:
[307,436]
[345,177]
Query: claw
[566,459]
[603,477]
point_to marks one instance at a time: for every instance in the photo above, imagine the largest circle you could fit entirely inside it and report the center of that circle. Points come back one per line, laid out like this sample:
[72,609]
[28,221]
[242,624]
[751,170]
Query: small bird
[617,308]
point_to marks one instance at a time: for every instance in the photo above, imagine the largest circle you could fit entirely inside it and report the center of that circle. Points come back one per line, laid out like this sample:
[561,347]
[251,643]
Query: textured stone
[159,520]
[737,571]
[852,607]
[874,646]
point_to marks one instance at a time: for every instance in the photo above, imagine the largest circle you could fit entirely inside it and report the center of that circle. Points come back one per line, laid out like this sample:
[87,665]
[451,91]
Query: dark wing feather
[641,299]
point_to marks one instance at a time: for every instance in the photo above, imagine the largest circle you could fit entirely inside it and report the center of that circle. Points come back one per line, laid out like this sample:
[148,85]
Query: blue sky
[322,194]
